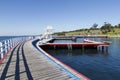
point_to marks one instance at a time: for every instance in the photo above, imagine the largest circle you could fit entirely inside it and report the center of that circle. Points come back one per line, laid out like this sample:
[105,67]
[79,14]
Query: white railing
[8,44]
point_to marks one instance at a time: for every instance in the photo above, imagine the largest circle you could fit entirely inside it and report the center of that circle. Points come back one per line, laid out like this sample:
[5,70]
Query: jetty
[23,59]
[86,44]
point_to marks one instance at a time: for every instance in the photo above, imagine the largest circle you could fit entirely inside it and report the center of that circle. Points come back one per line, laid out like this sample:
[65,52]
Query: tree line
[106,27]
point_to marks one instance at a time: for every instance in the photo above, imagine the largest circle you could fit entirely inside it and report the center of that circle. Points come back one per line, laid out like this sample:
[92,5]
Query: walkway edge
[4,57]
[61,65]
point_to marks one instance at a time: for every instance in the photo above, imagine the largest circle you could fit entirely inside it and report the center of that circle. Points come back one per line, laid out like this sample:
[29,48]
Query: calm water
[97,65]
[7,37]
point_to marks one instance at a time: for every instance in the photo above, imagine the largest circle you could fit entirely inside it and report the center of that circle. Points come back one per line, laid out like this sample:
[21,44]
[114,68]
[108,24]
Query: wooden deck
[25,63]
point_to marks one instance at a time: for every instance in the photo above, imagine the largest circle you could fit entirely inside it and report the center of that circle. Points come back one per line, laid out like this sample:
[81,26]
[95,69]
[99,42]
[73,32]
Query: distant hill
[106,29]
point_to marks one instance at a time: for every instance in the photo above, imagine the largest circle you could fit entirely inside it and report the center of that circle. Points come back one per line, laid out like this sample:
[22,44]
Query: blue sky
[28,17]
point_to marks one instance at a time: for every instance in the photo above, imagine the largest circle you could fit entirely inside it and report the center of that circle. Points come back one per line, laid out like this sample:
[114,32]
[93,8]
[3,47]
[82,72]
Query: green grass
[114,31]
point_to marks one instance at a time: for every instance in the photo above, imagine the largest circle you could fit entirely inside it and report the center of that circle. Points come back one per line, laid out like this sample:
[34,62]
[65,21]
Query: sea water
[96,65]
[6,37]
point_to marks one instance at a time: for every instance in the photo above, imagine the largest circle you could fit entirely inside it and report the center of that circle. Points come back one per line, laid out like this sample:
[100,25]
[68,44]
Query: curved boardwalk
[25,63]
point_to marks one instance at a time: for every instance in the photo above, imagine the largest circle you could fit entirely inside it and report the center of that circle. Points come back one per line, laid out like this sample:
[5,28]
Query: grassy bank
[113,32]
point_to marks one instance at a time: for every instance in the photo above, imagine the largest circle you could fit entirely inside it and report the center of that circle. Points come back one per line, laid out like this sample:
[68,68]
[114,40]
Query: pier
[87,44]
[25,61]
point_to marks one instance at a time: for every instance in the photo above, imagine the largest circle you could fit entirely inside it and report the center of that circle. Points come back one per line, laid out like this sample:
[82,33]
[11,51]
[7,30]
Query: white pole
[11,43]
[8,42]
[1,50]
[6,46]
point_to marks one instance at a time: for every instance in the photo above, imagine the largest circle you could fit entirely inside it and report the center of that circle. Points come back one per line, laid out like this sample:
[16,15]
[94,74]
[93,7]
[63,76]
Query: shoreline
[91,36]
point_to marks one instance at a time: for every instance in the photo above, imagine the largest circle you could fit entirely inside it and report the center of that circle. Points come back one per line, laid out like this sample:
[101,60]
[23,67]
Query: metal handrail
[6,45]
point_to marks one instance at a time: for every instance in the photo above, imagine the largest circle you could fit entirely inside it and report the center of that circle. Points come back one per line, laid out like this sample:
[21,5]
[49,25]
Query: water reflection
[94,63]
[76,52]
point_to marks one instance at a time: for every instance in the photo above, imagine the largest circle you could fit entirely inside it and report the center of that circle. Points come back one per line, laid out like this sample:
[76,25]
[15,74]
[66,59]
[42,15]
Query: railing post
[15,41]
[8,42]
[1,50]
[11,43]
[6,47]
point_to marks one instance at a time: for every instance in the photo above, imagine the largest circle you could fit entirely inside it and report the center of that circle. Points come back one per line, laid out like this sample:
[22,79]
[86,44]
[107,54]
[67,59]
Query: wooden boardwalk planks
[25,63]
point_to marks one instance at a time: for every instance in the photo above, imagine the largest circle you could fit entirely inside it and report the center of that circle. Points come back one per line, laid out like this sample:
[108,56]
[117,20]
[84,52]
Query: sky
[31,17]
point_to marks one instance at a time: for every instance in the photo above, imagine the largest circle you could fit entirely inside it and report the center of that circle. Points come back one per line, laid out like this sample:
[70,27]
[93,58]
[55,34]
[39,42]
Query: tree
[118,25]
[94,26]
[107,27]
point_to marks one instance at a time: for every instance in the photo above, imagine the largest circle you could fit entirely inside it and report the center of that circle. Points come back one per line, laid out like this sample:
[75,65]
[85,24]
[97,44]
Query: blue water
[9,37]
[96,65]
[6,37]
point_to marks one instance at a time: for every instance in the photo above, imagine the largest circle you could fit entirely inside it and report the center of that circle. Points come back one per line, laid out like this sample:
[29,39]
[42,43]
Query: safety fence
[7,45]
